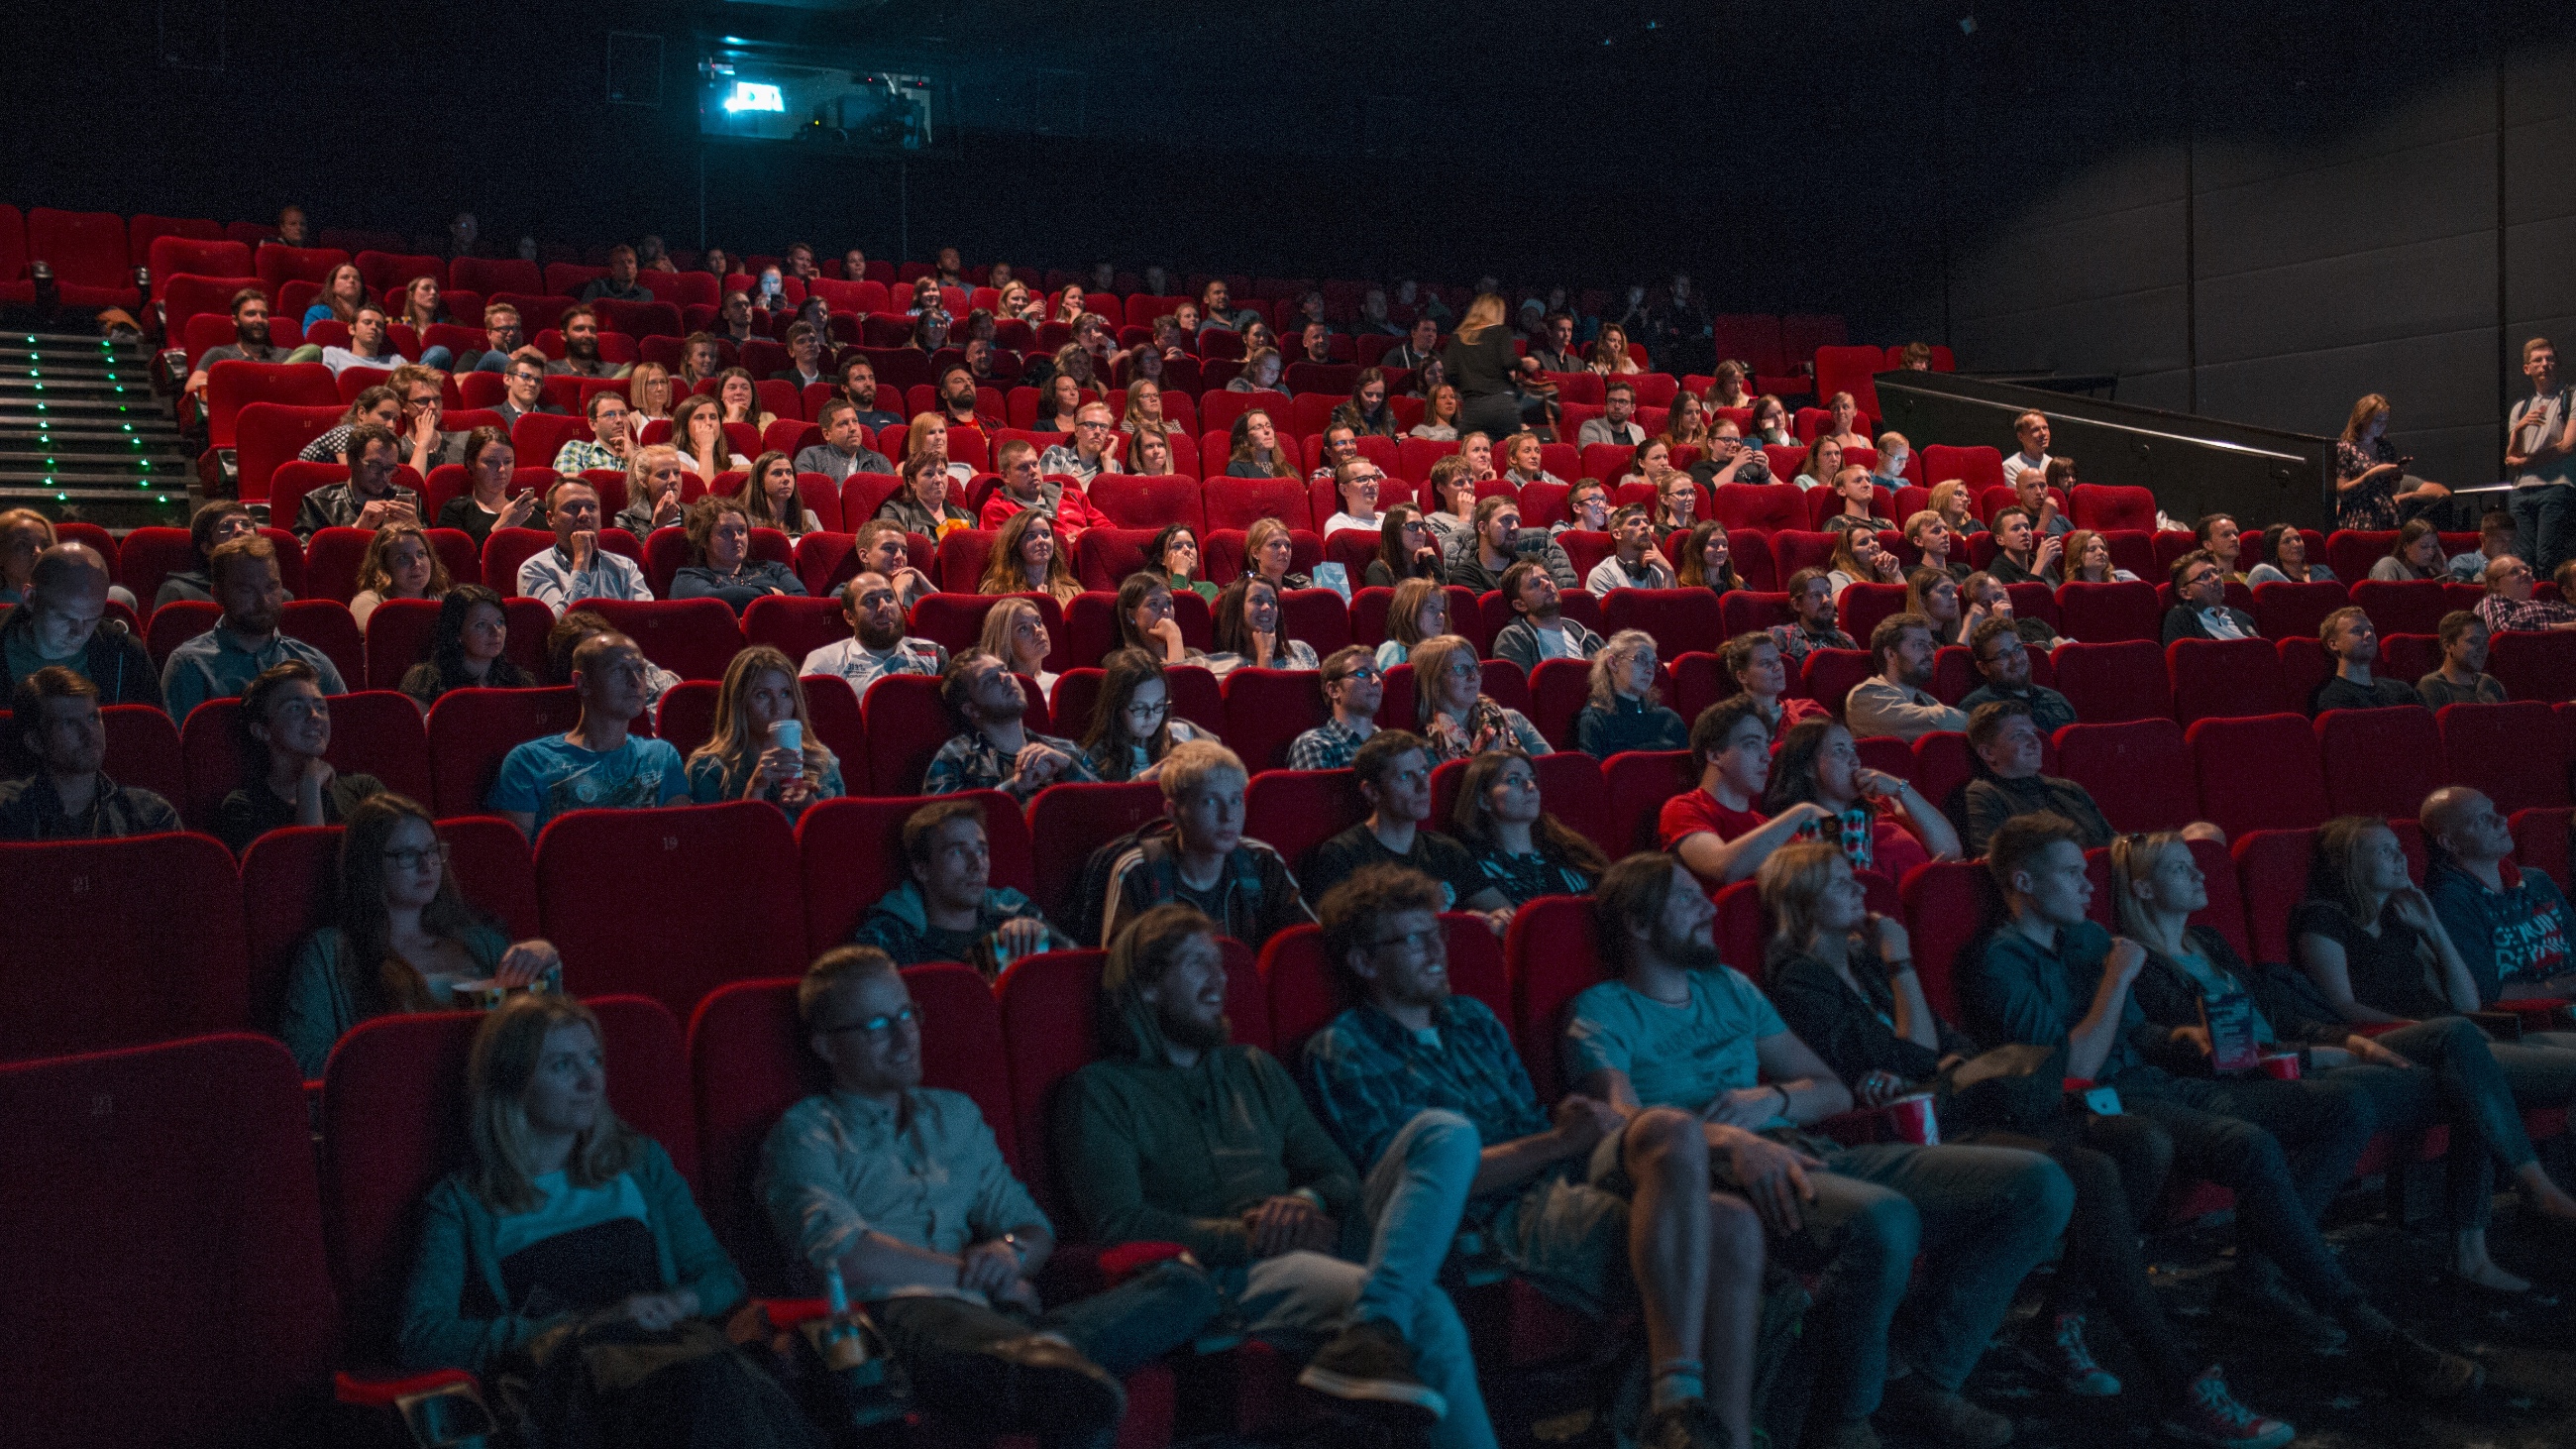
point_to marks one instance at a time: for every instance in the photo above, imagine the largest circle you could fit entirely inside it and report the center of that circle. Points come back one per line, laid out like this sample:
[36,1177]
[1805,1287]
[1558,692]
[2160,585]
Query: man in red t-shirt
[1717,829]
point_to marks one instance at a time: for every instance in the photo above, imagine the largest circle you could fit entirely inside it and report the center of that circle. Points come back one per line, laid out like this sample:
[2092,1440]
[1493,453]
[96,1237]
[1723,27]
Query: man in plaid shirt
[1551,1193]
[1354,686]
[2509,603]
[608,419]
[992,750]
[1811,598]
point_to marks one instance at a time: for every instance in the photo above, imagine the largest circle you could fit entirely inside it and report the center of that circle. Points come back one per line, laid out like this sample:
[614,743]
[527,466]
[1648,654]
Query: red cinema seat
[1074,821]
[235,385]
[906,725]
[1553,957]
[2534,665]
[472,730]
[1267,709]
[1767,507]
[1237,503]
[596,871]
[2139,773]
[2379,761]
[2540,841]
[794,626]
[2103,506]
[1742,611]
[92,261]
[2221,678]
[1293,811]
[851,852]
[180,1176]
[1149,503]
[1862,606]
[2110,613]
[154,923]
[2271,879]
[1637,784]
[1980,468]
[2351,551]
[489,275]
[1305,990]
[267,436]
[2515,754]
[1830,674]
[1947,906]
[375,732]
[2412,606]
[2108,683]
[962,555]
[1679,619]
[693,638]
[2258,773]
[1559,690]
[2294,611]
[278,264]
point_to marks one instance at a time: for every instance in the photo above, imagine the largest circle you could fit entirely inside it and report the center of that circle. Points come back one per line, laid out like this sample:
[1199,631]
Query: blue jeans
[2461,1079]
[1979,1217]
[1410,1205]
[2544,525]
[2274,1212]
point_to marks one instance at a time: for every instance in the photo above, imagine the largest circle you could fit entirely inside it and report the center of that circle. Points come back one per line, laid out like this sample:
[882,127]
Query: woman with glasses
[1627,710]
[1132,724]
[1514,843]
[1408,547]
[1457,718]
[404,938]
[285,728]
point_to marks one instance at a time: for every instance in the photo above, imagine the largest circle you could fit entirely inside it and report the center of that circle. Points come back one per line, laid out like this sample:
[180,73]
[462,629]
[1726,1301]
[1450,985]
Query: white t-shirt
[1340,521]
[1553,643]
[2549,412]
[2020,463]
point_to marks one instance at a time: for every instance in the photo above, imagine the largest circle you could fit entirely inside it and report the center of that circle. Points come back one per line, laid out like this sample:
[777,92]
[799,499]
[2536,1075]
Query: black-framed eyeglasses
[1420,940]
[415,859]
[912,1013]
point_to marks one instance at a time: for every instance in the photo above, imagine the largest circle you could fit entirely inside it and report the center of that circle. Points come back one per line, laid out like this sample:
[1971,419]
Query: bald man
[64,621]
[2511,924]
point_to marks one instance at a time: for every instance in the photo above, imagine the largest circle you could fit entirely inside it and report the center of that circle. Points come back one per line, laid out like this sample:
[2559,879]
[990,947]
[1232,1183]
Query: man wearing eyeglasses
[2201,610]
[1394,773]
[608,444]
[1354,687]
[901,1190]
[2004,662]
[1089,457]
[2510,603]
[949,909]
[526,384]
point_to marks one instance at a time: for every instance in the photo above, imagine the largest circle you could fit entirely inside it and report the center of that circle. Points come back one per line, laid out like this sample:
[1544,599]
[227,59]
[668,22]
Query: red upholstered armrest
[2376,1028]
[1125,1261]
[370,1391]
[1860,1126]
[2536,1011]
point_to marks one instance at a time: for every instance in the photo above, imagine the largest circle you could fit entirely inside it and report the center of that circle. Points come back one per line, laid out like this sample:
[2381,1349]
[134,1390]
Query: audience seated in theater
[2460,677]
[1257,451]
[844,449]
[1145,619]
[1894,700]
[619,284]
[1409,547]
[284,730]
[221,662]
[344,291]
[1094,429]
[1393,772]
[1677,498]
[745,759]
[1811,599]
[1674,1027]
[1854,486]
[1521,452]
[2004,663]
[505,340]
[1626,709]
[599,764]
[568,635]
[1718,828]
[720,564]
[901,1190]
[1578,1202]
[1419,611]
[1144,409]
[884,548]
[2032,429]
[733,318]
[1177,1134]
[62,620]
[2086,559]
[54,712]
[2495,540]
[877,645]
[700,359]
[957,396]
[2201,610]
[698,433]
[2416,553]
[2373,490]
[1341,444]
[1858,559]
[1685,424]
[1027,558]
[1706,562]
[1539,630]
[1353,685]
[858,389]
[1882,822]
[1453,490]
[1893,450]
[524,381]
[2046,975]
[1262,367]
[422,444]
[1932,540]
[491,466]
[217,523]
[771,500]
[1934,595]
[2030,491]
[2007,743]
[577,568]
[466,648]
[1201,858]
[2287,546]
[1587,509]
[399,564]
[564,1218]
[1149,453]
[1132,723]
[250,339]
[1247,632]
[1366,412]
[1823,464]
[923,505]
[2021,556]
[370,498]
[2510,924]
[1844,981]
[2217,535]
[1955,502]
[1357,482]
[1016,633]
[2353,645]
[404,936]
[1174,558]
[609,442]
[1753,664]
[992,750]
[805,364]
[2511,605]
[1440,412]
[949,909]
[580,325]
[1455,717]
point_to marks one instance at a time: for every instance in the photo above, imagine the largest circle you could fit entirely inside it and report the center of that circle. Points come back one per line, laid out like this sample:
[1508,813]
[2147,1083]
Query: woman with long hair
[1407,548]
[2285,556]
[1610,352]
[1145,618]
[1626,710]
[1015,632]
[344,291]
[1954,502]
[1650,463]
[563,1216]
[2416,553]
[1247,632]
[1843,978]
[284,732]
[769,496]
[1881,821]
[1026,560]
[1686,425]
[1261,369]
[928,433]
[1859,560]
[1175,556]
[1824,460]
[1845,427]
[1059,403]
[1149,453]
[740,398]
[1440,411]
[745,759]
[1144,408]
[653,490]
[1132,724]
[720,564]
[1257,451]
[400,563]
[698,432]
[1707,560]
[420,309]
[1480,360]
[2372,488]
[1933,594]
[402,938]
[467,648]
[1516,845]
[1419,611]
[2088,561]
[1454,715]
[491,468]
[649,394]
[1752,662]
[1270,553]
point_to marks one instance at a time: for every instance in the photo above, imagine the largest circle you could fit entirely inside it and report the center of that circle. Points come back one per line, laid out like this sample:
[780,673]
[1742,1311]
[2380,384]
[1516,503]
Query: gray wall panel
[2392,199]
[2374,297]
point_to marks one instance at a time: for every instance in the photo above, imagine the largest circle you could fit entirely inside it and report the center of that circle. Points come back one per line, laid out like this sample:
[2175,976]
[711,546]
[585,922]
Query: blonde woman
[648,394]
[1016,633]
[1457,718]
[1026,560]
[1955,505]
[1610,352]
[1144,408]
[1419,611]
[746,758]
[1627,710]
[1859,560]
[1261,369]
[1479,359]
[928,434]
[1270,554]
[1149,453]
[400,564]
[653,489]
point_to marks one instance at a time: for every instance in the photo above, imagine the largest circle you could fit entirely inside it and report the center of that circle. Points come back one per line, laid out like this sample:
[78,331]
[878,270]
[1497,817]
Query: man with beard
[1539,629]
[957,400]
[947,908]
[370,499]
[577,568]
[1203,859]
[859,387]
[1897,698]
[250,338]
[1177,1134]
[221,662]
[877,645]
[993,749]
[581,346]
[70,797]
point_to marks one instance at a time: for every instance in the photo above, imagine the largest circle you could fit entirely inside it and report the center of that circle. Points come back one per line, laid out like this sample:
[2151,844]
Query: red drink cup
[2280,1066]
[1914,1120]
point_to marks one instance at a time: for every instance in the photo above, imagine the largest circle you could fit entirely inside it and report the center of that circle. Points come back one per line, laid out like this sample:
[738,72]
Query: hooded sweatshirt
[899,925]
[1157,1153]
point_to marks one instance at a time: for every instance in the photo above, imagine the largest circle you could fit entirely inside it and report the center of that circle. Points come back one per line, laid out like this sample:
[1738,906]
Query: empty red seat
[2414,606]
[1293,811]
[1768,507]
[2540,840]
[92,262]
[178,1176]
[2294,611]
[2379,761]
[471,731]
[906,726]
[1553,958]
[1979,467]
[2515,753]
[1265,711]
[693,638]
[1863,605]
[2215,678]
[2258,773]
[2351,551]
[1828,676]
[2272,878]
[153,925]
[2139,773]
[851,852]
[2102,506]
[1638,783]
[1948,904]
[1149,503]
[1237,503]
[2534,665]
[268,436]
[605,883]
[279,264]
[2108,683]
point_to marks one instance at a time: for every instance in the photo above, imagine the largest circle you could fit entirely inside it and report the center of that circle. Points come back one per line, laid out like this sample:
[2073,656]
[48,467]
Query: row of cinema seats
[323,1241]
[167,951]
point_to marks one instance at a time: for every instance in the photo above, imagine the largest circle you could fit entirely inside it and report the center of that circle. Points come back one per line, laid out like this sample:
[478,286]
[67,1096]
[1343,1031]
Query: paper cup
[2280,1066]
[787,734]
[1914,1120]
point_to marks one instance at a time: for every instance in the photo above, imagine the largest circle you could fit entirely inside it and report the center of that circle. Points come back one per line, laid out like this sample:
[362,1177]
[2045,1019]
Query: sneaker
[1370,1364]
[2428,1370]
[1690,1424]
[1950,1418]
[2073,1363]
[2208,1414]
[2256,1293]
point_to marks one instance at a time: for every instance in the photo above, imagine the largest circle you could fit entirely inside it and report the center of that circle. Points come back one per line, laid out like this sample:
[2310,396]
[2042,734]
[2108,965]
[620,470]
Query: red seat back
[1073,821]
[851,854]
[2108,683]
[2102,506]
[1293,811]
[2258,773]
[2294,611]
[153,924]
[2534,664]
[1980,468]
[2110,613]
[2413,606]
[374,732]
[2515,753]
[2379,761]
[1829,675]
[1947,906]
[693,638]
[906,726]
[1553,956]
[472,730]
[2139,773]
[1305,991]
[1266,709]
[2218,678]
[2272,878]
[1638,784]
